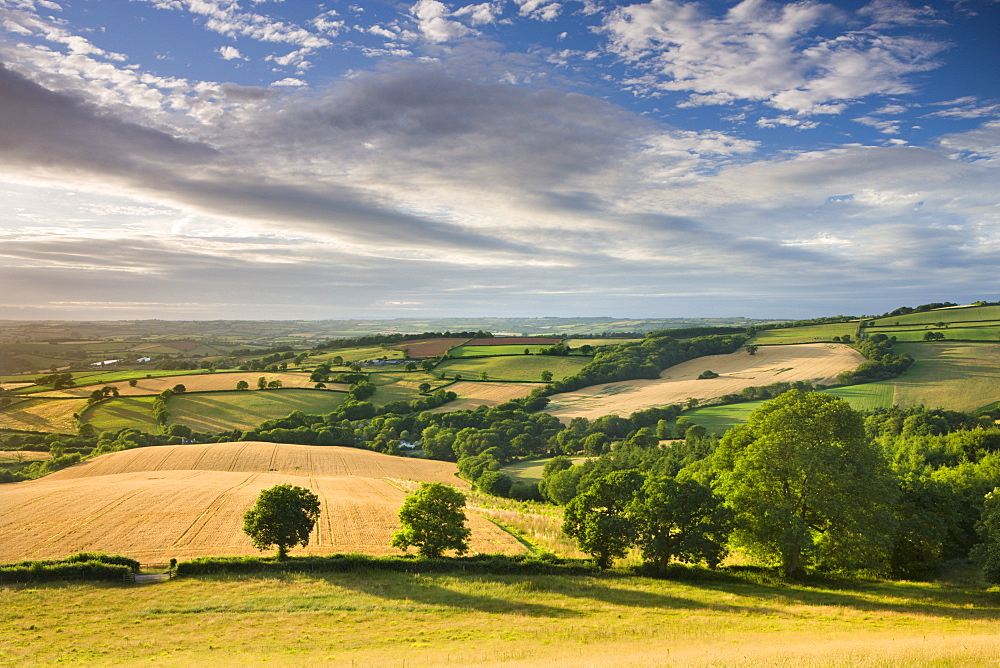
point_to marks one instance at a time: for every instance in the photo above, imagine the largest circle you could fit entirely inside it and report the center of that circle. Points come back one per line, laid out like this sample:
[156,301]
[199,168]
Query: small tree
[179,389]
[987,552]
[283,516]
[546,376]
[433,521]
[597,517]
[752,349]
[242,385]
[133,382]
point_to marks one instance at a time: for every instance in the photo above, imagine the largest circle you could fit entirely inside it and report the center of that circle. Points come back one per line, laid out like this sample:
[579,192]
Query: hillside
[186,501]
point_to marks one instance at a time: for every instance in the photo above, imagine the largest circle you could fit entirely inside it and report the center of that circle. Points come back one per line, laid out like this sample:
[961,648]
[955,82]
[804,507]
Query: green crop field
[376,618]
[868,396]
[355,355]
[477,351]
[805,334]
[219,411]
[987,332]
[525,368]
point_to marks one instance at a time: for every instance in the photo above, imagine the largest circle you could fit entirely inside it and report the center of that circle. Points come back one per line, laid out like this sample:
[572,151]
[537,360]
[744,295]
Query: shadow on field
[898,597]
[429,590]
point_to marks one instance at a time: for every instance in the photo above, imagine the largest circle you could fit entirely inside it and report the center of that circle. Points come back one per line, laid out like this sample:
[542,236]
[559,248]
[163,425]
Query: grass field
[221,411]
[525,368]
[355,354]
[394,619]
[989,332]
[188,500]
[123,412]
[54,415]
[805,334]
[950,315]
[205,382]
[818,362]
[957,376]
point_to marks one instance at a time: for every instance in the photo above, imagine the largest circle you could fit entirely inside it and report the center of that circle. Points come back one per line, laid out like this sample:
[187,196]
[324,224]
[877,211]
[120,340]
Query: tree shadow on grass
[904,597]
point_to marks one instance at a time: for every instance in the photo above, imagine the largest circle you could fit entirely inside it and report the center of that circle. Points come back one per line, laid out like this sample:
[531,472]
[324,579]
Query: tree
[424,388]
[987,552]
[679,519]
[133,382]
[179,389]
[546,376]
[427,365]
[273,384]
[433,521]
[242,385]
[484,375]
[283,516]
[807,485]
[410,366]
[752,349]
[261,383]
[597,517]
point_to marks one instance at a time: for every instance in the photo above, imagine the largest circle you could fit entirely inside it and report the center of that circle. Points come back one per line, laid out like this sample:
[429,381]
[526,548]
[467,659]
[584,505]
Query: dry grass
[816,362]
[187,501]
[202,382]
[18,456]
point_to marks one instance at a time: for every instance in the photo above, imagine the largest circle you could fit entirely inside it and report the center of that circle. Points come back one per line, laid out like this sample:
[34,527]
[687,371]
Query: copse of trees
[882,363]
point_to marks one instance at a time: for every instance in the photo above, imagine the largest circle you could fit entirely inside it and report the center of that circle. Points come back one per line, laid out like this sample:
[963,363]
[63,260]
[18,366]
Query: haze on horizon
[213,159]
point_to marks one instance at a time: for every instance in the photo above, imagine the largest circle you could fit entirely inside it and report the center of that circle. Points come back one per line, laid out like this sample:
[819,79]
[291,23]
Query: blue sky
[210,159]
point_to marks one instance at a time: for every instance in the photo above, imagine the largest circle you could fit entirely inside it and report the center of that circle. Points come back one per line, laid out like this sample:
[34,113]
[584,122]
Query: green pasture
[524,368]
[354,355]
[531,470]
[245,409]
[868,396]
[984,332]
[805,334]
[84,378]
[397,385]
[976,314]
[480,351]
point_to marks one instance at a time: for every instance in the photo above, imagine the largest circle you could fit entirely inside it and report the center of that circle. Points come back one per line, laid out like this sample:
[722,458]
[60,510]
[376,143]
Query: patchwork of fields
[816,362]
[525,368]
[186,501]
[204,382]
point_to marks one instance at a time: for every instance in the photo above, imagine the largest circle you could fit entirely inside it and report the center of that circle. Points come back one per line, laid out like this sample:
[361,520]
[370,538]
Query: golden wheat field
[472,395]
[816,362]
[188,500]
[202,382]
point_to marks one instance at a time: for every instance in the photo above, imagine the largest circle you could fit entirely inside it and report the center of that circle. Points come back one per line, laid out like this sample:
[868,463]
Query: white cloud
[289,81]
[434,24]
[230,53]
[763,51]
[478,14]
[883,126]
[788,122]
[542,10]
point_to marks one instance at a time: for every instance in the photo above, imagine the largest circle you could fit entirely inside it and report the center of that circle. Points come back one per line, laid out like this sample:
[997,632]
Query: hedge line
[480,564]
[81,566]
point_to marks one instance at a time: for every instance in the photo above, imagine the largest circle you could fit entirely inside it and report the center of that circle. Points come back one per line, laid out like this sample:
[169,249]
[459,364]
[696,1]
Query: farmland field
[136,412]
[516,341]
[477,351]
[950,315]
[576,343]
[205,382]
[531,470]
[986,332]
[421,348]
[817,362]
[805,334]
[184,501]
[472,394]
[355,354]
[54,415]
[526,368]
[957,376]
[221,411]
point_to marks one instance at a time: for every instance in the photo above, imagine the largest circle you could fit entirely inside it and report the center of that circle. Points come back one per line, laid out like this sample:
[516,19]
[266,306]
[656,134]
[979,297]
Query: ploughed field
[815,362]
[186,501]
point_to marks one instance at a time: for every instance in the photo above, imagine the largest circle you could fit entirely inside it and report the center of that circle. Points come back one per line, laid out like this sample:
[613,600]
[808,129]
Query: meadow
[481,351]
[385,618]
[523,368]
[49,415]
[958,376]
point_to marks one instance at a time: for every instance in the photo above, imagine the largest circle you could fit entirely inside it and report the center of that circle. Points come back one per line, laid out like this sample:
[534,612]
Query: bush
[82,566]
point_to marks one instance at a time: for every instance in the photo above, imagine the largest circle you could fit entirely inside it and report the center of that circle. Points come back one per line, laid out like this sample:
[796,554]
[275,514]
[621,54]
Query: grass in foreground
[384,618]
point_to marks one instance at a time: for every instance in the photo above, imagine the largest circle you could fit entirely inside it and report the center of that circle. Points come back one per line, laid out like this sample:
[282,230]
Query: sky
[211,159]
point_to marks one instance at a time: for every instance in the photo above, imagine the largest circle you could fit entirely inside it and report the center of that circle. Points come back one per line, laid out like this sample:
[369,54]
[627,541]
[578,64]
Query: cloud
[434,24]
[764,51]
[289,82]
[230,53]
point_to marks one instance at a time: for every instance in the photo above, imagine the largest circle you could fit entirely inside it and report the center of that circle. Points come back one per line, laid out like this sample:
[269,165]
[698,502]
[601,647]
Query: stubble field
[186,501]
[815,362]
